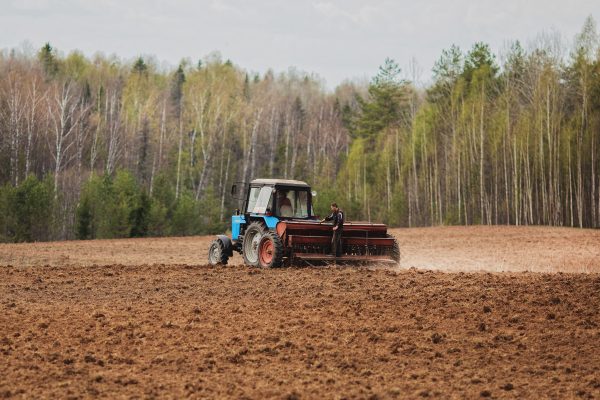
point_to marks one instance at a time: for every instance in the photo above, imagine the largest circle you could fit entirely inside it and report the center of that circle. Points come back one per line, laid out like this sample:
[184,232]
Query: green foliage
[91,206]
[449,66]
[375,128]
[185,216]
[140,216]
[515,67]
[385,105]
[142,172]
[587,41]
[158,219]
[398,215]
[325,196]
[27,211]
[33,206]
[177,88]
[84,218]
[76,66]
[388,75]
[208,217]
[163,191]
[6,215]
[481,59]
[140,67]
[47,58]
[113,208]
[161,206]
[446,71]
[117,207]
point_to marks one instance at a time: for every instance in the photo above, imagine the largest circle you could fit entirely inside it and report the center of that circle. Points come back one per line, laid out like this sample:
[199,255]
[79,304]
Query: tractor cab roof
[279,182]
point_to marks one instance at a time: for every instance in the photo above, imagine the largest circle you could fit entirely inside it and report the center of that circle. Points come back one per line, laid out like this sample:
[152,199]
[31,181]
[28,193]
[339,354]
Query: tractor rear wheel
[251,241]
[217,254]
[270,251]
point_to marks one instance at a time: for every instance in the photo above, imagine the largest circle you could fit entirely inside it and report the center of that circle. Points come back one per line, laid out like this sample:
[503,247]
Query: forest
[99,147]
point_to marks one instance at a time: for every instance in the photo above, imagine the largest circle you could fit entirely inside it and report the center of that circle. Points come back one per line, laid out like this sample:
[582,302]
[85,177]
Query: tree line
[99,147]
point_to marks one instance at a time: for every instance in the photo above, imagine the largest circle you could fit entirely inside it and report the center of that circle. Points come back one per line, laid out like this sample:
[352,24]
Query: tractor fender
[271,222]
[227,246]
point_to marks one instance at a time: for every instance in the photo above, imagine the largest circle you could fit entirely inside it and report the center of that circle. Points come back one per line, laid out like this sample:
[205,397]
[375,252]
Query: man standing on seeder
[337,216]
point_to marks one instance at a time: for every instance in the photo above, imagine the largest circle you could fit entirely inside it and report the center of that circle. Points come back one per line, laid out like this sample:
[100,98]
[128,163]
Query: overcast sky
[335,39]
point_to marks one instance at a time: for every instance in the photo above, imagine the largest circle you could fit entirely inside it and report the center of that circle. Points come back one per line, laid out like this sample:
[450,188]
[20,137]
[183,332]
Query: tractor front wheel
[270,251]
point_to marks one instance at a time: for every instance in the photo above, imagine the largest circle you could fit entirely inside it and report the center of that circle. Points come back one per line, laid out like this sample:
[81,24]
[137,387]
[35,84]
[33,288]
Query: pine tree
[140,67]
[47,58]
[177,88]
[142,170]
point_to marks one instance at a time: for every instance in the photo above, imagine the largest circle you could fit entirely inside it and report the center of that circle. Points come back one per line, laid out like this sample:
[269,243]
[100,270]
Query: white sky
[335,39]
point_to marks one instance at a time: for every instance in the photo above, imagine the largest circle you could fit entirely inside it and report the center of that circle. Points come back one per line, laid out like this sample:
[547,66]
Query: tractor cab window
[301,201]
[284,204]
[260,200]
[252,199]
[292,203]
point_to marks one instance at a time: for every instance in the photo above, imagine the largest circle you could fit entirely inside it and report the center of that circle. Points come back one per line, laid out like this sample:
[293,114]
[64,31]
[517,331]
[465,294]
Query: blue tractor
[277,225]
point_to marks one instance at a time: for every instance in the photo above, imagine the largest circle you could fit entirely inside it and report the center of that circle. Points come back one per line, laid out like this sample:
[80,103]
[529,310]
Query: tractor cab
[279,198]
[270,200]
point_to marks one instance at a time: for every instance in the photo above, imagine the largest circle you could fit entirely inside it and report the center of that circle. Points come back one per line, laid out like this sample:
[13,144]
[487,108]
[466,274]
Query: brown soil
[501,248]
[474,248]
[127,328]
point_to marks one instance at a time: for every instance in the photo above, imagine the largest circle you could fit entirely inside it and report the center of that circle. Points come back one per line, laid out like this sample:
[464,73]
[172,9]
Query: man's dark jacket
[338,219]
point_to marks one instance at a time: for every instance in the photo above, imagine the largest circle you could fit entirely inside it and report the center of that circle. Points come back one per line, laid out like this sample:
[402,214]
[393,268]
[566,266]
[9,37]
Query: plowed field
[147,319]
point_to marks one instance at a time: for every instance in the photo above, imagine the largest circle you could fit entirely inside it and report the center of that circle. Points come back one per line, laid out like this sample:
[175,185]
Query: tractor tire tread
[256,225]
[223,257]
[278,250]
